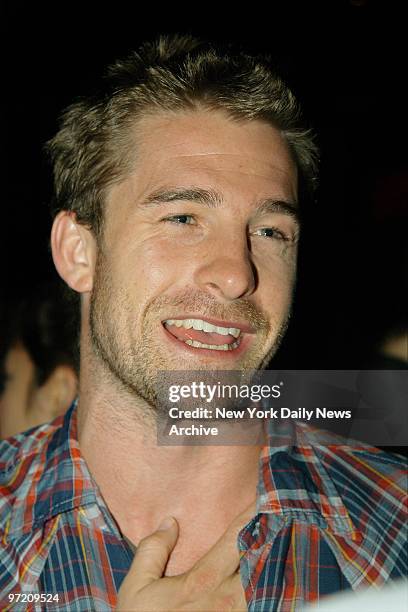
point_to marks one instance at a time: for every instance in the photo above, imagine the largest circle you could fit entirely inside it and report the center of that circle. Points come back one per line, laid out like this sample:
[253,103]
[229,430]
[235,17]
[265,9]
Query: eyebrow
[208,197]
[271,205]
[212,199]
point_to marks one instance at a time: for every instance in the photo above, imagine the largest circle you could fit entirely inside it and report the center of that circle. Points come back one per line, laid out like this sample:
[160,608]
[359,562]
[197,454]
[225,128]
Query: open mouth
[202,334]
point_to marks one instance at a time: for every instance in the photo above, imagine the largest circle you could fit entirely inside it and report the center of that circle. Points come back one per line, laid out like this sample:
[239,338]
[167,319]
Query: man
[38,359]
[177,198]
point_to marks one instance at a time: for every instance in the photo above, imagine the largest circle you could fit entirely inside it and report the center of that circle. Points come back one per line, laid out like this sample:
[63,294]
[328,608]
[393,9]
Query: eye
[181,219]
[272,232]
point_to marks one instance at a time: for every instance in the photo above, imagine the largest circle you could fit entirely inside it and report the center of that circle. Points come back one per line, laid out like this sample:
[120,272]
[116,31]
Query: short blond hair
[93,149]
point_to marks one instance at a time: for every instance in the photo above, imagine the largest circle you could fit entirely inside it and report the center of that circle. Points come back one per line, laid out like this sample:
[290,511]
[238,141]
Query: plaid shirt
[328,518]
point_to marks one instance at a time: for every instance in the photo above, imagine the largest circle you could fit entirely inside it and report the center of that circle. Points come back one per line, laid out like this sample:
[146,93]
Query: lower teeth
[213,347]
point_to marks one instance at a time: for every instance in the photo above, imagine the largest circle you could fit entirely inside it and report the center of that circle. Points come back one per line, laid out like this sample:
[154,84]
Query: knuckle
[200,581]
[225,602]
[151,543]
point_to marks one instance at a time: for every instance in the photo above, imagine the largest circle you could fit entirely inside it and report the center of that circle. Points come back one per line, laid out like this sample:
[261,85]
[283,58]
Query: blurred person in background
[38,354]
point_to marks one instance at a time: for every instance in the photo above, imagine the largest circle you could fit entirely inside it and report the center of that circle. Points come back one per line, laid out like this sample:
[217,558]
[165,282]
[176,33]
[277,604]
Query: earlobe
[73,251]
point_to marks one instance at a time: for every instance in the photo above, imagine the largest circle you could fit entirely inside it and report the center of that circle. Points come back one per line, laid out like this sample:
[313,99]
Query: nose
[227,272]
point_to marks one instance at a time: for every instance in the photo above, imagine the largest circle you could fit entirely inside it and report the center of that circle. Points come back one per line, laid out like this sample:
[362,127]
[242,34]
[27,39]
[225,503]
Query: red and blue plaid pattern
[329,517]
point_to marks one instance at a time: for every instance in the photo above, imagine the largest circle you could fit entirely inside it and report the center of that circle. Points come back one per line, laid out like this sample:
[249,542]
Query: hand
[213,583]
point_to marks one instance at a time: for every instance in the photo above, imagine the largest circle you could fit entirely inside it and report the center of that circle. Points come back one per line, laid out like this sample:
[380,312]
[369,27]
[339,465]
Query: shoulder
[368,483]
[371,485]
[372,469]
[23,460]
[349,462]
[26,448]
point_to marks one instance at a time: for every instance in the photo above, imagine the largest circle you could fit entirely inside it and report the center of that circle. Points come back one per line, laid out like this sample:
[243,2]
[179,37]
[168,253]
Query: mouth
[206,335]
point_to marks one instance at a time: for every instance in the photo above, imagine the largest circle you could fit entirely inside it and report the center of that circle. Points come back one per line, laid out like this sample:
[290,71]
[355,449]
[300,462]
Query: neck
[203,487]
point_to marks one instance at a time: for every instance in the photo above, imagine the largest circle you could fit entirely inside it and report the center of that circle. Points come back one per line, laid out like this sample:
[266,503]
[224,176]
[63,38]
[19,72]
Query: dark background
[347,63]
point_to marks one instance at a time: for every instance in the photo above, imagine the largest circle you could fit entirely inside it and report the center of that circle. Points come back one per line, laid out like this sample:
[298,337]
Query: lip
[245,327]
[211,353]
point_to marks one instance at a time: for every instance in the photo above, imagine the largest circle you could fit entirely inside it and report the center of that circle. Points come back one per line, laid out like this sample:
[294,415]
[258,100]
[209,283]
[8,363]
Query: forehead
[211,143]
[208,130]
[242,162]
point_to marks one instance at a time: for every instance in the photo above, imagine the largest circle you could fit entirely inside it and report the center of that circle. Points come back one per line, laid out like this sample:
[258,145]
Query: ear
[73,251]
[54,396]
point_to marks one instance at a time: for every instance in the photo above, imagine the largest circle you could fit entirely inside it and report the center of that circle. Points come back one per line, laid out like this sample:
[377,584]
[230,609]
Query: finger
[152,555]
[229,596]
[223,558]
[240,603]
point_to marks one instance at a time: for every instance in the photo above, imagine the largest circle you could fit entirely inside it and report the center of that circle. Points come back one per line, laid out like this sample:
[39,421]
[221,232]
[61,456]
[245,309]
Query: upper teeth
[204,326]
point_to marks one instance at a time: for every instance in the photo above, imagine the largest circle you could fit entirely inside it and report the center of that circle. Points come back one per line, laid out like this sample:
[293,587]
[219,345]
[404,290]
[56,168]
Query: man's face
[197,262]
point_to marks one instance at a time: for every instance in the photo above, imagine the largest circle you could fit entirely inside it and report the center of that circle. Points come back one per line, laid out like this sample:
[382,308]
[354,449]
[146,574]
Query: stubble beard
[135,361]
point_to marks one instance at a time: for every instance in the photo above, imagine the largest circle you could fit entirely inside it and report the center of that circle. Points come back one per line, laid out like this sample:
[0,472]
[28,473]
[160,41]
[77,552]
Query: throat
[203,488]
[199,531]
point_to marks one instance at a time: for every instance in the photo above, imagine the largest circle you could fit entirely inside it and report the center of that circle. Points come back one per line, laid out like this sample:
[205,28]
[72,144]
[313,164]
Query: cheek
[155,265]
[275,288]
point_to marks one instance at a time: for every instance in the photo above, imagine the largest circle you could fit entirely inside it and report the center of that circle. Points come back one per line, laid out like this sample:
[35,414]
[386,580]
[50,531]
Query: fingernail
[166,524]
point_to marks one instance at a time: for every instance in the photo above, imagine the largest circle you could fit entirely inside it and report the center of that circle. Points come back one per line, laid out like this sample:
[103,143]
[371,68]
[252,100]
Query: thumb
[152,554]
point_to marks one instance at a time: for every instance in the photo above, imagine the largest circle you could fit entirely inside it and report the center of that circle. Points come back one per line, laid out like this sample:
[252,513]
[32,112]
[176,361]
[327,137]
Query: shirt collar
[57,476]
[292,480]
